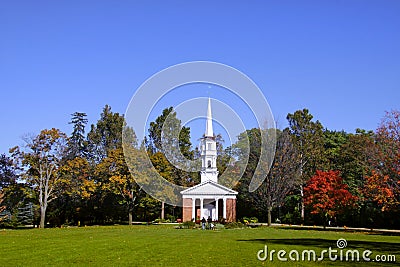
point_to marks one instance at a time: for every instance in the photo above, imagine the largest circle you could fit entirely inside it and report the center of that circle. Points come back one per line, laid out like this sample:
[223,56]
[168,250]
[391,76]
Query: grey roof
[208,188]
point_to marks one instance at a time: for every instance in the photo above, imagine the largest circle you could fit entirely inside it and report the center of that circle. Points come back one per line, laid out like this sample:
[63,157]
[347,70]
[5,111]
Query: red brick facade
[187,210]
[231,210]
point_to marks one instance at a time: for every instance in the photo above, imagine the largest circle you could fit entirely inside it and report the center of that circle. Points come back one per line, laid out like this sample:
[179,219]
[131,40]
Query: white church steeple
[209,151]
[209,128]
[209,199]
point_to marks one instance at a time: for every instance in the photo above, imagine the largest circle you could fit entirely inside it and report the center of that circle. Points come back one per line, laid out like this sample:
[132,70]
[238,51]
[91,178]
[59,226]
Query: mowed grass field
[162,245]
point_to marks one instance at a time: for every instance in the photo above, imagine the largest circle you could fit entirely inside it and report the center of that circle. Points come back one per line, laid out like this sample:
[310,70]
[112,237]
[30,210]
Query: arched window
[209,164]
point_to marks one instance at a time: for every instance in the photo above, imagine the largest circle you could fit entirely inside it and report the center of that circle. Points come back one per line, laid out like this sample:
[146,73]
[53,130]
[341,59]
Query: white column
[224,208]
[216,209]
[201,208]
[194,209]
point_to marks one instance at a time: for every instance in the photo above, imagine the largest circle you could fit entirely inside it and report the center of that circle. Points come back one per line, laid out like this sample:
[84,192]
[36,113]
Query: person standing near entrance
[203,223]
[210,223]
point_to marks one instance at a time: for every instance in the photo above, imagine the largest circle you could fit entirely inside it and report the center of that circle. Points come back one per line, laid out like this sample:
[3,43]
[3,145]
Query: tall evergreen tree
[333,141]
[77,143]
[308,138]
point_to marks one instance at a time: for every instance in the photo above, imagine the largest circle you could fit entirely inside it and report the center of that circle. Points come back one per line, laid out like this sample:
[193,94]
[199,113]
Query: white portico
[209,199]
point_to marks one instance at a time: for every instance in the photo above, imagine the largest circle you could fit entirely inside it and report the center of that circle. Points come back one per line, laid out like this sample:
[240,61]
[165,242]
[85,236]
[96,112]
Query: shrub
[188,224]
[292,218]
[253,220]
[234,225]
[170,218]
[219,226]
[247,220]
[161,221]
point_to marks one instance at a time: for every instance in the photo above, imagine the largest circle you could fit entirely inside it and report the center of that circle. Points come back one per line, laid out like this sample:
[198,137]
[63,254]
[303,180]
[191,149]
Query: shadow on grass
[352,230]
[376,247]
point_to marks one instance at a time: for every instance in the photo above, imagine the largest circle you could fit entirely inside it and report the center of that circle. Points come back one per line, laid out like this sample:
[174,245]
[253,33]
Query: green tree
[8,178]
[333,142]
[354,158]
[105,135]
[248,147]
[8,174]
[16,194]
[77,143]
[168,137]
[308,139]
[223,155]
[66,209]
[163,132]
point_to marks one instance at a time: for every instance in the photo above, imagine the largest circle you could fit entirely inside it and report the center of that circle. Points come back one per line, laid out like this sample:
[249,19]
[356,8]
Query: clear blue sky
[340,59]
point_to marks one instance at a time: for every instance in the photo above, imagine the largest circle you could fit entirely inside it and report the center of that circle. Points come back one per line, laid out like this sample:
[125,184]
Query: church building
[209,198]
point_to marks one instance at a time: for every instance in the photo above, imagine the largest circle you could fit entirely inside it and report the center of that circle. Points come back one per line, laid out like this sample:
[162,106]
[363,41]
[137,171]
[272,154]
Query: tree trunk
[162,210]
[130,217]
[301,185]
[326,219]
[42,216]
[131,206]
[269,216]
[302,203]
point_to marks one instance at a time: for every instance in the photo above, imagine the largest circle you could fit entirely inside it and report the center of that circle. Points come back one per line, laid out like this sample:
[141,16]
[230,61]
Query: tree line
[329,177]
[318,176]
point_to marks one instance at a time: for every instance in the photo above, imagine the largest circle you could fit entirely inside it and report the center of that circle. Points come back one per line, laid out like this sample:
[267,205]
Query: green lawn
[162,245]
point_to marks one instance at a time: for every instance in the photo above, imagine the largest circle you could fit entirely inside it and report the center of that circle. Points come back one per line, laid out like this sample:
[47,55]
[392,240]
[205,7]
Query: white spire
[209,128]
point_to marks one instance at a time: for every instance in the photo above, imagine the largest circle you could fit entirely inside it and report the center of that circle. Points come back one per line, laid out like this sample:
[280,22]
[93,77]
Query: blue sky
[339,59]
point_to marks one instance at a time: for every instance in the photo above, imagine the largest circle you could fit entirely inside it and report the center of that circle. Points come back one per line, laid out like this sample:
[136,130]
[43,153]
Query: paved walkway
[335,228]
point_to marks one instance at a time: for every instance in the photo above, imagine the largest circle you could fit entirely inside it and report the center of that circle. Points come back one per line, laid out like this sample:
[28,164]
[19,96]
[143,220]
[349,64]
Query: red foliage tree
[327,195]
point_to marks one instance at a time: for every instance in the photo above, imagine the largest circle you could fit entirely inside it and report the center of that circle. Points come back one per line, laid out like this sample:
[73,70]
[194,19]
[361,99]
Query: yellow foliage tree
[118,179]
[43,161]
[76,173]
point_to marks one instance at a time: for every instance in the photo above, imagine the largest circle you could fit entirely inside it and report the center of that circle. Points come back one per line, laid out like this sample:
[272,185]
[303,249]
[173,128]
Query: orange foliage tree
[383,185]
[378,190]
